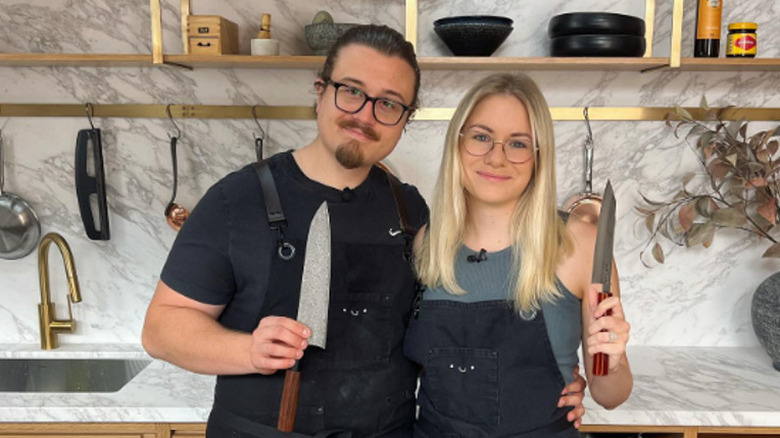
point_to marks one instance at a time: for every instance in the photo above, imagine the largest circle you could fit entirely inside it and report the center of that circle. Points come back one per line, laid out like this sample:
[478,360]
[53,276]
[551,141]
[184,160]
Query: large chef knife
[312,307]
[602,264]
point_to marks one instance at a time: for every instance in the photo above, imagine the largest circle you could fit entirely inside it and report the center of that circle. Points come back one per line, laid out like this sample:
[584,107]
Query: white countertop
[692,386]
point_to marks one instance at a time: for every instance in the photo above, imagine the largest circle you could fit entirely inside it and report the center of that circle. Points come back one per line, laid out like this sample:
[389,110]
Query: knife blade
[602,263]
[312,307]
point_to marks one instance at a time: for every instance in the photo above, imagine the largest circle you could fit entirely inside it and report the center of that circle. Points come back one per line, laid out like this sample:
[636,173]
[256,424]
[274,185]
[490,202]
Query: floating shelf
[73,60]
[541,63]
[246,61]
[730,64]
[426,63]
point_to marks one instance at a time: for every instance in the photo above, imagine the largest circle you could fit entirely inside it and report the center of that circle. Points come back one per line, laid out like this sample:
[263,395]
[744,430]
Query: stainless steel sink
[68,375]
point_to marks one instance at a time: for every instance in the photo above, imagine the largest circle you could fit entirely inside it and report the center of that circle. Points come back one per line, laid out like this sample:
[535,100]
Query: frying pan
[586,205]
[175,214]
[19,226]
[599,23]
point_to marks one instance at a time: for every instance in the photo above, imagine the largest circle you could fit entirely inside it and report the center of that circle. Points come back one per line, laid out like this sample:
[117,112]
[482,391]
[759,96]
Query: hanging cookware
[175,214]
[586,205]
[19,226]
[91,181]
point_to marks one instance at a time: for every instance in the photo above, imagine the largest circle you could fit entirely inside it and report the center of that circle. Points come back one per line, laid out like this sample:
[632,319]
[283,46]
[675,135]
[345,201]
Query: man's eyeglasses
[351,100]
[478,143]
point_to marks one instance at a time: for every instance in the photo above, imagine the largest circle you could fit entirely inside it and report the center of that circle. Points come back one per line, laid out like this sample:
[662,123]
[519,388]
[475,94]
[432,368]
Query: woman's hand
[608,330]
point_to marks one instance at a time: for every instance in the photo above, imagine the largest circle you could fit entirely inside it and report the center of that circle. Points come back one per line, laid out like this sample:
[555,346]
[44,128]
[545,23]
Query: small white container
[265,47]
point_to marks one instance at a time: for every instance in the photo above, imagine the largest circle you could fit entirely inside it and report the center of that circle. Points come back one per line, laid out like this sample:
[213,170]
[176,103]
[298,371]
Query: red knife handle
[601,360]
[289,406]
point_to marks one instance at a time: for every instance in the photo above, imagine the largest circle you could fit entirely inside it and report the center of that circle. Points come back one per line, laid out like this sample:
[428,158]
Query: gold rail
[307,112]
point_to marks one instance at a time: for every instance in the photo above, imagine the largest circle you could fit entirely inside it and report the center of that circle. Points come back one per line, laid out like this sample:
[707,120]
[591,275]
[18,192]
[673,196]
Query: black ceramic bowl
[595,23]
[473,35]
[598,45]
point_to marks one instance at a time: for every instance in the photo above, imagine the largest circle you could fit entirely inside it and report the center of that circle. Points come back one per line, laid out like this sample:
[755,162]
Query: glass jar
[742,40]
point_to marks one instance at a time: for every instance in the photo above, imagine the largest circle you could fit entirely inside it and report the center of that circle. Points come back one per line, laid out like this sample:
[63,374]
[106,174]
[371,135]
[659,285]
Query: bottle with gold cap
[742,40]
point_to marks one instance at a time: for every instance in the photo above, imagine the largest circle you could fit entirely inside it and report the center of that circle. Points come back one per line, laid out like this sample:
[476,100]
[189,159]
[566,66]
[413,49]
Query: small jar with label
[742,40]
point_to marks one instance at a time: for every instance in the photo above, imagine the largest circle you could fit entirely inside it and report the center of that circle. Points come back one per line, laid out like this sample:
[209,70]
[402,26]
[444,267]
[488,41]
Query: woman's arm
[598,328]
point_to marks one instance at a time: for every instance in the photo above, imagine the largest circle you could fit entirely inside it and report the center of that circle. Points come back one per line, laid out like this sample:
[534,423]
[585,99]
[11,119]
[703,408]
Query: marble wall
[699,297]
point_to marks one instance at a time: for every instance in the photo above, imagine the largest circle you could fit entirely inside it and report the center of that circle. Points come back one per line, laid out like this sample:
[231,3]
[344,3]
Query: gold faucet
[50,326]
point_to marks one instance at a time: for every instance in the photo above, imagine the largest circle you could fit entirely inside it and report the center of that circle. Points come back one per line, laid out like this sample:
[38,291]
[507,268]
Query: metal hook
[170,117]
[90,112]
[587,123]
[254,115]
[258,140]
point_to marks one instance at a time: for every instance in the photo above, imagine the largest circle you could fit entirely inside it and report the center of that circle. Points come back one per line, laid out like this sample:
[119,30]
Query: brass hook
[90,112]
[170,117]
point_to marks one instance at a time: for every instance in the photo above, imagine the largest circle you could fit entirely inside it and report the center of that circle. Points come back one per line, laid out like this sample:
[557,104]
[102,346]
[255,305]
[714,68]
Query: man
[228,294]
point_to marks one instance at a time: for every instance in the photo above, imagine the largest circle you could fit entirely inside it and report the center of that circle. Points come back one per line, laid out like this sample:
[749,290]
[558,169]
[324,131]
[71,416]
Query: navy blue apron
[361,385]
[488,372]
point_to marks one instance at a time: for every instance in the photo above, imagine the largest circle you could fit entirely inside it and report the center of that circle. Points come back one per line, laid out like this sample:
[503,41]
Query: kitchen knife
[602,264]
[312,307]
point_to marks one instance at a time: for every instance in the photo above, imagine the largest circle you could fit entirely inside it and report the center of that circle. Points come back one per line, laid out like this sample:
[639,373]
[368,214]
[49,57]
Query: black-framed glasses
[478,143]
[351,100]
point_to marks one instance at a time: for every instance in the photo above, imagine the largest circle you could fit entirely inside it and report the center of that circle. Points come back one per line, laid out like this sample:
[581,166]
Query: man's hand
[277,343]
[572,395]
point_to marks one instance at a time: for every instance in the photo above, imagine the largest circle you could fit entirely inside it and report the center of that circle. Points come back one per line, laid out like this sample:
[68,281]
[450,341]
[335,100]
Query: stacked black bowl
[596,34]
[473,35]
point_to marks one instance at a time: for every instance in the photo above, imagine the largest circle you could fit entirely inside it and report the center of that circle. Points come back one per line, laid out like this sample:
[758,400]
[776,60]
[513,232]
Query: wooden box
[212,35]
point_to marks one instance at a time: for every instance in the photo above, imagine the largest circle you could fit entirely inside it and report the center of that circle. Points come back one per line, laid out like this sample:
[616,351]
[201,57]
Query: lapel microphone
[476,258]
[347,194]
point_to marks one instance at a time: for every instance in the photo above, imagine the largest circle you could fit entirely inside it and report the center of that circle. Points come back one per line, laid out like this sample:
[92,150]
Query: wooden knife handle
[289,406]
[601,360]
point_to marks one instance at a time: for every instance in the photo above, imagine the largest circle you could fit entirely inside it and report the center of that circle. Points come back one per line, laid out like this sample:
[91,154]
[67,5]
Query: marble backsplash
[699,297]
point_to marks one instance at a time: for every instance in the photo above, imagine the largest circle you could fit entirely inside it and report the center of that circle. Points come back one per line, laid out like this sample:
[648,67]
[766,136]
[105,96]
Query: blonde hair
[538,234]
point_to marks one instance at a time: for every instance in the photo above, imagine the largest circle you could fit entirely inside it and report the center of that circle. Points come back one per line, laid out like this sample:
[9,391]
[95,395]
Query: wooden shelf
[73,60]
[246,61]
[541,63]
[452,63]
[730,64]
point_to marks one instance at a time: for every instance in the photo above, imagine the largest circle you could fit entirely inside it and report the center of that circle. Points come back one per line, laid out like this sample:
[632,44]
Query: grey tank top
[489,280]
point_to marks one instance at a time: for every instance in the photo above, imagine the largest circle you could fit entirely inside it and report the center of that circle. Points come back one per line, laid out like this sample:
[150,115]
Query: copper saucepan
[586,206]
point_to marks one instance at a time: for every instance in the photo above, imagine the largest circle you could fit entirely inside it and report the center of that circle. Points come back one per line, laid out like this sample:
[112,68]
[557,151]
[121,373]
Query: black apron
[487,372]
[361,385]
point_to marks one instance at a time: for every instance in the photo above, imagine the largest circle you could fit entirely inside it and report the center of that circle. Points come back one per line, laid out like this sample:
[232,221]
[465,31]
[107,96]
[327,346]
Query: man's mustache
[355,124]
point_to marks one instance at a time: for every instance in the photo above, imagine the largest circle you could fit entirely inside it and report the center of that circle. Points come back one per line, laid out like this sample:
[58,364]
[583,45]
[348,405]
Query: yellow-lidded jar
[742,40]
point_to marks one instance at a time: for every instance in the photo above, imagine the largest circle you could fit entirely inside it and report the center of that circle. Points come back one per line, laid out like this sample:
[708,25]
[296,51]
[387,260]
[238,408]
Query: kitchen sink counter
[161,392]
[697,386]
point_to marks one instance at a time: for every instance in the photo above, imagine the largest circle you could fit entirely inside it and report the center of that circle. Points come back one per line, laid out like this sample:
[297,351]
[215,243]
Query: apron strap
[273,208]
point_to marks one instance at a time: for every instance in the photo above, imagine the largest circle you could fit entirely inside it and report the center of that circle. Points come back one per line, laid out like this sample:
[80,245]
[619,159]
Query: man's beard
[349,155]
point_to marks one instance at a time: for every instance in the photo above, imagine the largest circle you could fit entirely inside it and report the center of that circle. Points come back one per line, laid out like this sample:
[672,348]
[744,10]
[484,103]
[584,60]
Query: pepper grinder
[263,45]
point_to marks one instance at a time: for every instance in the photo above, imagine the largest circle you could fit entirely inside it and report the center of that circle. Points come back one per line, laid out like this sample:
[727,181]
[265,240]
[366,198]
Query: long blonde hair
[538,234]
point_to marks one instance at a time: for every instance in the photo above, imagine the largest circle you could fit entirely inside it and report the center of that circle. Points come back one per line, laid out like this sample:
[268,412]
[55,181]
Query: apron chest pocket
[463,383]
[359,331]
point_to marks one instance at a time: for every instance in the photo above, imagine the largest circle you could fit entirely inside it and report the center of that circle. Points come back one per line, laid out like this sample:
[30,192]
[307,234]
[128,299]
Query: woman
[507,296]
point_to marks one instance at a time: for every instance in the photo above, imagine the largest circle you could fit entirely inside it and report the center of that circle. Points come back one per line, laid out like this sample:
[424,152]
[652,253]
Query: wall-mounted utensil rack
[307,112]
